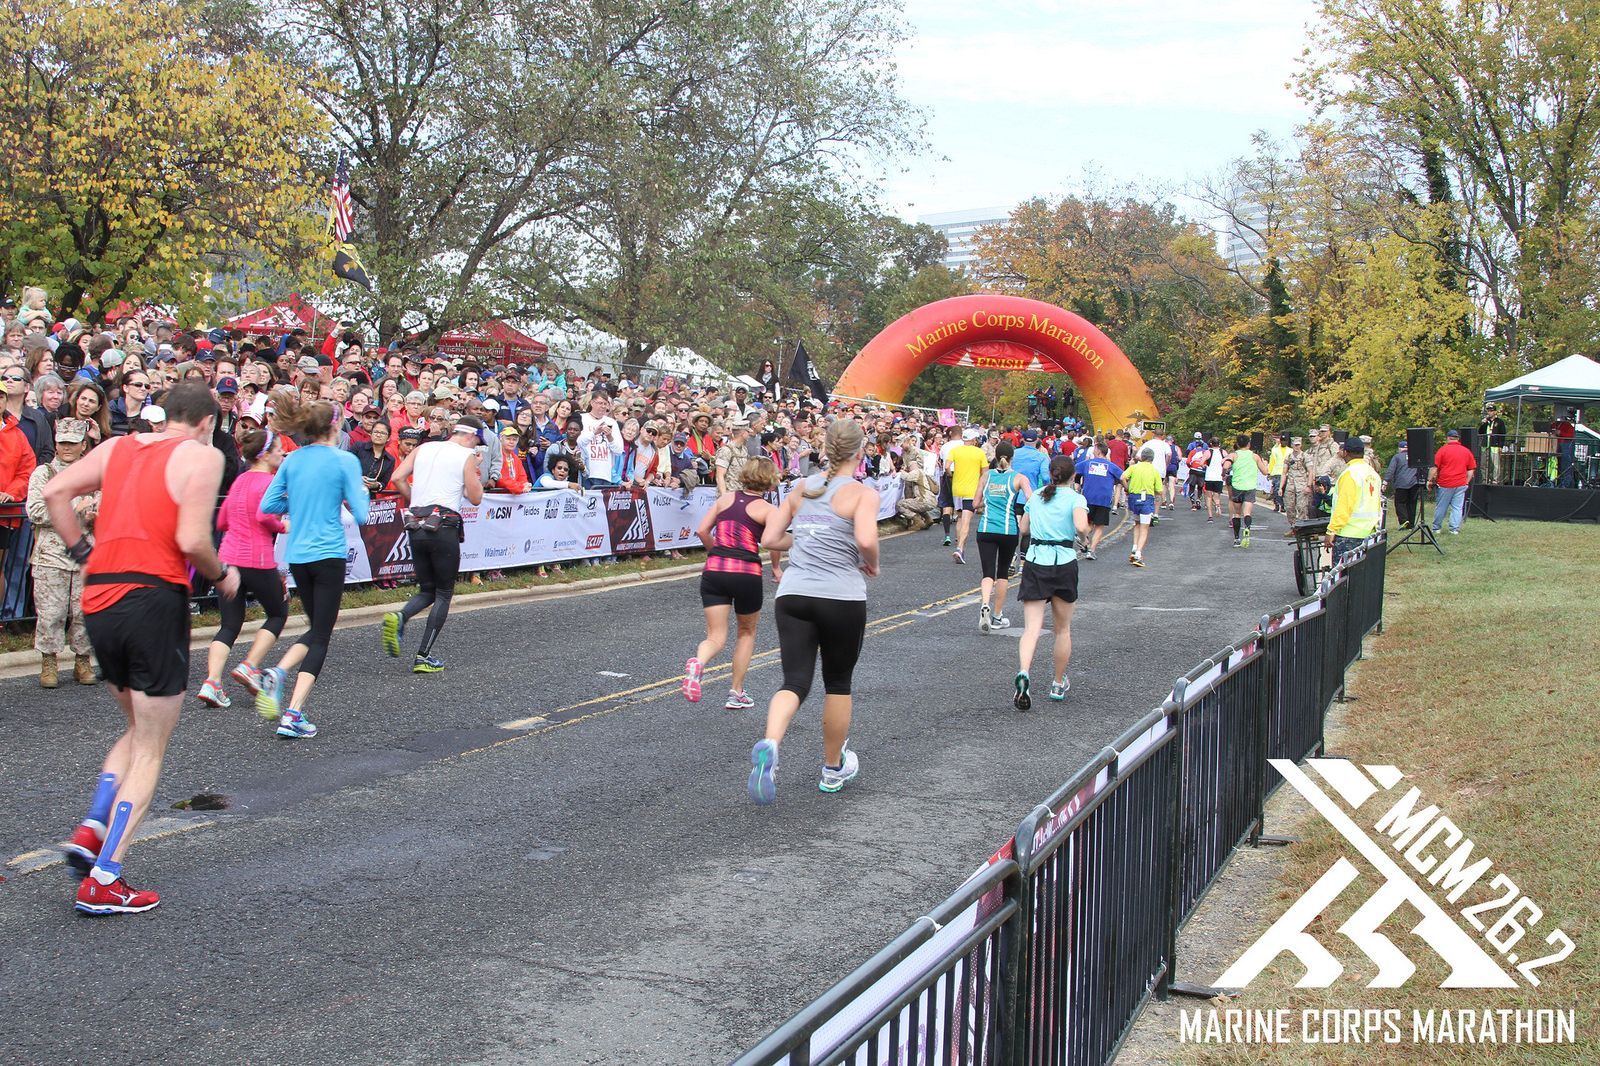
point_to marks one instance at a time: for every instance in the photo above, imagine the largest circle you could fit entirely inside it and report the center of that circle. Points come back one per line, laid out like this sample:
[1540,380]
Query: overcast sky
[1022,97]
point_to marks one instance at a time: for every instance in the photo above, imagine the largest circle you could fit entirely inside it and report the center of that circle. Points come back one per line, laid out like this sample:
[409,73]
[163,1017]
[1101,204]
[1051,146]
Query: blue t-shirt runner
[1100,477]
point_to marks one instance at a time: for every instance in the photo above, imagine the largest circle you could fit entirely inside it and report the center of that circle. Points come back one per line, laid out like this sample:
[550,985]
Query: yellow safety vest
[1275,460]
[1357,501]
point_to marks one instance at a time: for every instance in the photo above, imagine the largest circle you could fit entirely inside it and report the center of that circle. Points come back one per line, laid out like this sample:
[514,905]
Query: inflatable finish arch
[994,332]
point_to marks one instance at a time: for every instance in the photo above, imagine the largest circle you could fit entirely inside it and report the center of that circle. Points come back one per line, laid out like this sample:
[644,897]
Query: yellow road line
[762,658]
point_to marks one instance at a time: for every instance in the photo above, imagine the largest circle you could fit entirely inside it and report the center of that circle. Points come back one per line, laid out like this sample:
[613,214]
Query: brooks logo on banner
[638,529]
[1436,850]
[399,553]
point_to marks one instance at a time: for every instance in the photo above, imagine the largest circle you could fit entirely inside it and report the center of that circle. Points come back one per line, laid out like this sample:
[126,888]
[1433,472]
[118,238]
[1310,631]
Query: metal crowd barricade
[1218,710]
[1071,940]
[1095,887]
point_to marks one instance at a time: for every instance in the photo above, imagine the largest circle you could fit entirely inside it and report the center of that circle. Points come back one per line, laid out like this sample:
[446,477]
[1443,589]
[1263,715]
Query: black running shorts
[1049,582]
[1099,516]
[945,497]
[142,641]
[1214,487]
[721,589]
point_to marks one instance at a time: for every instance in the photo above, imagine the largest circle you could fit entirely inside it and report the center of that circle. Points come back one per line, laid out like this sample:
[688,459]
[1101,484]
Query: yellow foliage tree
[1398,358]
[141,152]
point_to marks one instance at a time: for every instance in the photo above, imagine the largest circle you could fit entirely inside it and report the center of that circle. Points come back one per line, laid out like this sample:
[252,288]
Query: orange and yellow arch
[991,332]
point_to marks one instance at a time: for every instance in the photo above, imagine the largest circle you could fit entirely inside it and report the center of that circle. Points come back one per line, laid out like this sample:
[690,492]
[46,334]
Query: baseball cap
[739,423]
[309,364]
[411,433]
[1030,434]
[1199,436]
[971,433]
[1354,446]
[1454,433]
[71,431]
[257,411]
[227,385]
[113,358]
[679,438]
[491,404]
[509,430]
[155,414]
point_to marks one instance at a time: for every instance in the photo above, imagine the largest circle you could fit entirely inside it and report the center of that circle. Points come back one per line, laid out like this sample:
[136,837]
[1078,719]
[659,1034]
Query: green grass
[1483,689]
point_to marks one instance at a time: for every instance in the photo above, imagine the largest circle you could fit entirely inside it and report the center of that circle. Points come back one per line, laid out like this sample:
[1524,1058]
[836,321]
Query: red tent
[492,341]
[288,314]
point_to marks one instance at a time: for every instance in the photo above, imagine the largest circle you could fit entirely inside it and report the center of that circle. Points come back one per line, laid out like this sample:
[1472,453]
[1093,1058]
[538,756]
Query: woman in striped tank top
[1001,492]
[731,532]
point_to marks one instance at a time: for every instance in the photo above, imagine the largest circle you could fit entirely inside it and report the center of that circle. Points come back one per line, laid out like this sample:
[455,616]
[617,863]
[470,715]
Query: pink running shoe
[691,680]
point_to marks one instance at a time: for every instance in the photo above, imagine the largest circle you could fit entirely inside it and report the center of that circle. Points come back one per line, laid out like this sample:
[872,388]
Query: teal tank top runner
[999,514]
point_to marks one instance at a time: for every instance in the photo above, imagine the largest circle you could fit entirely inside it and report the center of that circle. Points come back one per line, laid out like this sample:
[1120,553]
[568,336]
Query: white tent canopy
[1573,380]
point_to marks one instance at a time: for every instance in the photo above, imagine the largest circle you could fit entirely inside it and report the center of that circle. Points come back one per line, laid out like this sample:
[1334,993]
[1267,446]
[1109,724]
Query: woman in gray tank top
[829,527]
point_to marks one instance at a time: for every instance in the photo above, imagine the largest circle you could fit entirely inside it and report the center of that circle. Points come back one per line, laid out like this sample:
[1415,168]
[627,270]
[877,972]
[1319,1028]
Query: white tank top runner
[439,475]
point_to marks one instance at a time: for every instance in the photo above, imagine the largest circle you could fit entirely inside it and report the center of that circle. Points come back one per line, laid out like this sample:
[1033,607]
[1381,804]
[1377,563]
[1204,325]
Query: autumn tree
[1493,106]
[1131,266]
[140,147]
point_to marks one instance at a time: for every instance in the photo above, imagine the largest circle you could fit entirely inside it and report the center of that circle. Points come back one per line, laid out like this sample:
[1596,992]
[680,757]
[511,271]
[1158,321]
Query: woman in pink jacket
[247,544]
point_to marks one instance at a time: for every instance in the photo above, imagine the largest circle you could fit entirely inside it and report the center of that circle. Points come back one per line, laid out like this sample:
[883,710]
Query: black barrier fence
[1047,955]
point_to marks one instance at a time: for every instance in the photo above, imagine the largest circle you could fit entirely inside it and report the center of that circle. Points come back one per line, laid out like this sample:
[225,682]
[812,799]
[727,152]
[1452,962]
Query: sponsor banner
[384,536]
[357,563]
[545,527]
[674,516]
[628,520]
[531,528]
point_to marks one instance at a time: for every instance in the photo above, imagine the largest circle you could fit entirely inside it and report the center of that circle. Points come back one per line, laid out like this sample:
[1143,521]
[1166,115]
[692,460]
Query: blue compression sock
[105,871]
[105,794]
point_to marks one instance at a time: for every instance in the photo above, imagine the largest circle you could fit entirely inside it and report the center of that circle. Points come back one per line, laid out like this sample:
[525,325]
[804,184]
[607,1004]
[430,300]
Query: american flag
[342,215]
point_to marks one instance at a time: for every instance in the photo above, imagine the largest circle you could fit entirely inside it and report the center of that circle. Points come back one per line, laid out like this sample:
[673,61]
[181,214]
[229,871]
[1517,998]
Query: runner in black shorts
[1056,517]
[731,532]
[158,491]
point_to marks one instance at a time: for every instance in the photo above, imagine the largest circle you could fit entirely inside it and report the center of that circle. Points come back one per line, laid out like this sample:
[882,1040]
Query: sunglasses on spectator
[136,384]
[13,377]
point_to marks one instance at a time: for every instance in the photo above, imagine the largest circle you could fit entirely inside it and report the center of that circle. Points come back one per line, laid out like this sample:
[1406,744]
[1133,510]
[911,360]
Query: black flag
[348,266]
[803,371]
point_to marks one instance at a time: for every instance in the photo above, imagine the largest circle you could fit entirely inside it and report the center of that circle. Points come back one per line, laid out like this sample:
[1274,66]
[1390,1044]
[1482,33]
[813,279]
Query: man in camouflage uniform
[1297,484]
[57,580]
[1327,459]
[919,502]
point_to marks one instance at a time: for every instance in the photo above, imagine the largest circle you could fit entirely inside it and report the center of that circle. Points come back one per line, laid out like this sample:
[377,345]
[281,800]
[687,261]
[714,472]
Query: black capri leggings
[436,556]
[995,552]
[320,586]
[267,588]
[809,624]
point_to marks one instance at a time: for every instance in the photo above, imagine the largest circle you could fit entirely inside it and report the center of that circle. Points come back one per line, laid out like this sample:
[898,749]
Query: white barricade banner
[507,531]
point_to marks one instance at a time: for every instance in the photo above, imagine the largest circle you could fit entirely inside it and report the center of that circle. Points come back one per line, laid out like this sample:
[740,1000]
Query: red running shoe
[116,898]
[83,849]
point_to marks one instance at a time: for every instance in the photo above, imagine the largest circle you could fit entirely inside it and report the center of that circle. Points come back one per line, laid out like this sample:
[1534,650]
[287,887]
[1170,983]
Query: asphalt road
[421,884]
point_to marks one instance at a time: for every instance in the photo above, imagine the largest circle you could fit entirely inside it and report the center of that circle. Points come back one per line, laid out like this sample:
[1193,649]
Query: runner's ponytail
[1062,469]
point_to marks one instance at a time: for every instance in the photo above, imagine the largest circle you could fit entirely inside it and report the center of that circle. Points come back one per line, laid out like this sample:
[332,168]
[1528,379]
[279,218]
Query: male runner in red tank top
[159,491]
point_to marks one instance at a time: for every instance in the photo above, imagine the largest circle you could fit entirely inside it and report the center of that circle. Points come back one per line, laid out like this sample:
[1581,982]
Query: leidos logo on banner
[1440,856]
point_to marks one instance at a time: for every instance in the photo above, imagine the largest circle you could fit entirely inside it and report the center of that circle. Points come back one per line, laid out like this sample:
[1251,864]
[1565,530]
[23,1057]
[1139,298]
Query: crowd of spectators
[553,428]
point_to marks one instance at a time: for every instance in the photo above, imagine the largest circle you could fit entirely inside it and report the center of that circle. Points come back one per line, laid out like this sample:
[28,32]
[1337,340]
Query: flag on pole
[804,372]
[342,222]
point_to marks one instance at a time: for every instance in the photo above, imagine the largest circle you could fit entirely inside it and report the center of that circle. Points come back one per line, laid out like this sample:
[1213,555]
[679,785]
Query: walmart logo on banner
[1424,848]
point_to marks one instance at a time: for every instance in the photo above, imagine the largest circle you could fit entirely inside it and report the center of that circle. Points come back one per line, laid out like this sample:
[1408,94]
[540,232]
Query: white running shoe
[1000,621]
[738,700]
[983,618]
[833,780]
[1059,689]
